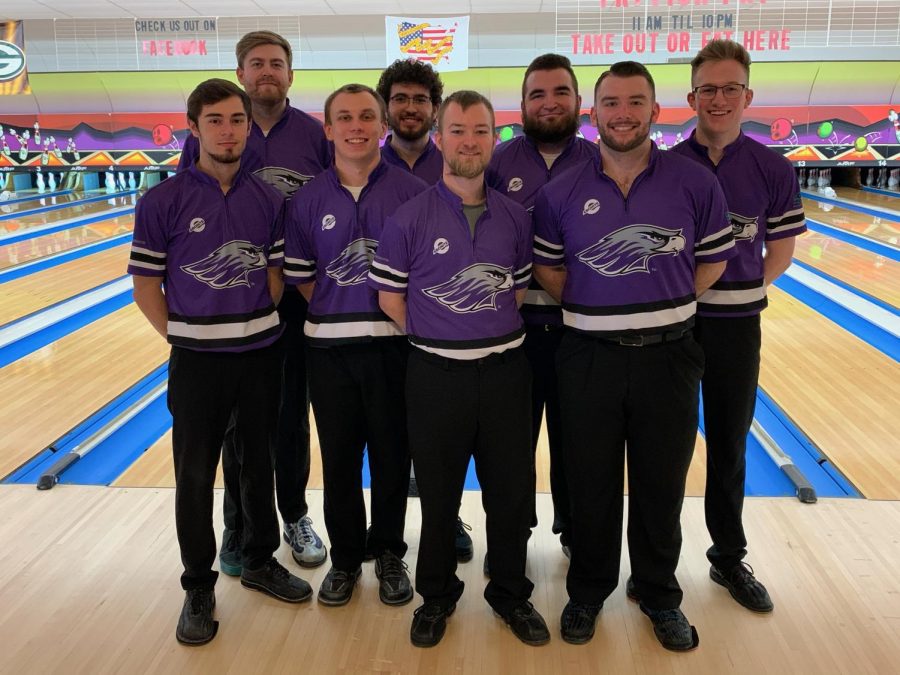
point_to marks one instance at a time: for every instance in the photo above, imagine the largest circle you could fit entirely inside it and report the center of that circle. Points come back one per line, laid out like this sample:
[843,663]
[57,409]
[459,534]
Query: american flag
[426,42]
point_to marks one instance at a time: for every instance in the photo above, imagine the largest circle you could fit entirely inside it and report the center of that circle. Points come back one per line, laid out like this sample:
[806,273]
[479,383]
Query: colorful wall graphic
[828,114]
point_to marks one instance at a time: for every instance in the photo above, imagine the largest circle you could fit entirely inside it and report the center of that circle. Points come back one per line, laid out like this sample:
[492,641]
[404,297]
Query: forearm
[306,290]
[551,279]
[394,305]
[706,275]
[150,299]
[276,284]
[779,254]
[520,296]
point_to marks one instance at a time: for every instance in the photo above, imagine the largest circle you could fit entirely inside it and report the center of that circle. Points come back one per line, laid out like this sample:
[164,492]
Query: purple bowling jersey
[294,151]
[429,166]
[213,251]
[518,170]
[630,262]
[460,292]
[761,189]
[331,239]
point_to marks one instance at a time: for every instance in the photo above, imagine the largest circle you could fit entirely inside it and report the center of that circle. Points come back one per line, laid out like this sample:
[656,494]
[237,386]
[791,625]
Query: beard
[225,158]
[642,133]
[397,128]
[550,132]
[470,167]
[271,94]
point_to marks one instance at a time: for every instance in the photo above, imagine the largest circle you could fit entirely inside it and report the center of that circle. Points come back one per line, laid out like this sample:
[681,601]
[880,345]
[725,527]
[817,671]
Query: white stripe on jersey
[223,331]
[624,322]
[385,273]
[545,249]
[542,298]
[733,297]
[773,226]
[471,354]
[148,266]
[351,329]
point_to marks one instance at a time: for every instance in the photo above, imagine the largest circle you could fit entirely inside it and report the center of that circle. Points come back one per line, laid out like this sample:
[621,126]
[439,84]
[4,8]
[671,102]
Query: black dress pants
[731,347]
[456,406]
[357,394]
[205,389]
[639,402]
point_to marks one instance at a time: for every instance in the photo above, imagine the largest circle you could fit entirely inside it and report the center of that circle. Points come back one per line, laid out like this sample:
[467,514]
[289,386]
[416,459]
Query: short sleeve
[548,243]
[149,245]
[390,268]
[299,255]
[714,240]
[785,216]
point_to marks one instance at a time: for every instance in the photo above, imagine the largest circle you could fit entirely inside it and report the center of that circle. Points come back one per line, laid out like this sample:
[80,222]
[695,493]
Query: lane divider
[37,196]
[50,261]
[886,213]
[881,191]
[65,205]
[859,240]
[60,225]
[30,333]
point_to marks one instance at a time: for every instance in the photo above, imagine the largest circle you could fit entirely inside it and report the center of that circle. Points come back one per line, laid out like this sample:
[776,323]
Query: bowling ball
[781,129]
[860,144]
[4,196]
[506,134]
[162,134]
[825,130]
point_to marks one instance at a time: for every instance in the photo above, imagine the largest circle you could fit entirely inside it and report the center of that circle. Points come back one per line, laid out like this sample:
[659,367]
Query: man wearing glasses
[766,215]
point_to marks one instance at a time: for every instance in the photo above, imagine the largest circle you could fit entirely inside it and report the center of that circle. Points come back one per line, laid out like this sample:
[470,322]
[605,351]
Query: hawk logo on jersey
[473,289]
[229,265]
[629,248]
[515,184]
[287,182]
[743,227]
[352,265]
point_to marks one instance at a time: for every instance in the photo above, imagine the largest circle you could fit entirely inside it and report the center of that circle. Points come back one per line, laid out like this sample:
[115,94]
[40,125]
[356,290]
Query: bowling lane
[47,199]
[22,223]
[873,199]
[65,240]
[874,227]
[42,289]
[839,390]
[50,391]
[869,272]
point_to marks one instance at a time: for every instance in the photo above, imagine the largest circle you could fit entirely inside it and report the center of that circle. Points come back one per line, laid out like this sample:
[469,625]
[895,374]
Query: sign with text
[604,31]
[13,71]
[174,38]
[443,43]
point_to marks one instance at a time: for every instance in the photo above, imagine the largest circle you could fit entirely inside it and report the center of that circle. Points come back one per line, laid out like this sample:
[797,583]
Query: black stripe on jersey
[715,243]
[524,274]
[297,267]
[152,259]
[467,344]
[737,285]
[276,249]
[382,274]
[223,318]
[224,343]
[552,251]
[637,308]
[711,308]
[687,324]
[786,220]
[349,317]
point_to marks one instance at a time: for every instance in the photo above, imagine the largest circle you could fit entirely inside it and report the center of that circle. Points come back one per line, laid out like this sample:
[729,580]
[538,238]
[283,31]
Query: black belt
[645,340]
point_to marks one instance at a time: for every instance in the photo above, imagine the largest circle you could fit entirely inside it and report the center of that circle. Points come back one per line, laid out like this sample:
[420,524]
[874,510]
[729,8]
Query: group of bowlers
[442,296]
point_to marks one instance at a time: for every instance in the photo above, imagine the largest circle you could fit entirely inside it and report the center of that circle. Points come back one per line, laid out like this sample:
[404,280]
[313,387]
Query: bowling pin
[52,182]
[123,184]
[802,178]
[894,180]
[131,182]
[882,177]
[870,177]
[5,146]
[45,155]
[23,148]
[110,182]
[41,186]
[37,133]
[56,149]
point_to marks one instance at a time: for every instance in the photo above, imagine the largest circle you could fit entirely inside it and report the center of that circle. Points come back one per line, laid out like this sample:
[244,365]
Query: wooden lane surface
[869,272]
[873,199]
[49,244]
[831,569]
[840,391]
[874,227]
[42,289]
[154,468]
[50,391]
[25,223]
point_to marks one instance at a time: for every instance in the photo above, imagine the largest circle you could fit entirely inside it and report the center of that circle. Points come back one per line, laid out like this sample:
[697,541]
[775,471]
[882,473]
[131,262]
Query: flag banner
[13,74]
[444,43]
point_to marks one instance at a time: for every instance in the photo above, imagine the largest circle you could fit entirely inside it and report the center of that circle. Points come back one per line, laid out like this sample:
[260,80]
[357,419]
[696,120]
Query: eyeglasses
[708,91]
[418,100]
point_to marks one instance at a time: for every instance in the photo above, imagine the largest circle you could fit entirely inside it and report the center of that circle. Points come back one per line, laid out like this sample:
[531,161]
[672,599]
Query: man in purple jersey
[357,355]
[518,169]
[286,148]
[452,269]
[627,266]
[766,215]
[413,91]
[212,237]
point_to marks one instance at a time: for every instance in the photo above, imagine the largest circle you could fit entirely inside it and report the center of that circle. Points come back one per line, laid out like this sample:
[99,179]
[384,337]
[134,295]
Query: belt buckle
[631,340]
